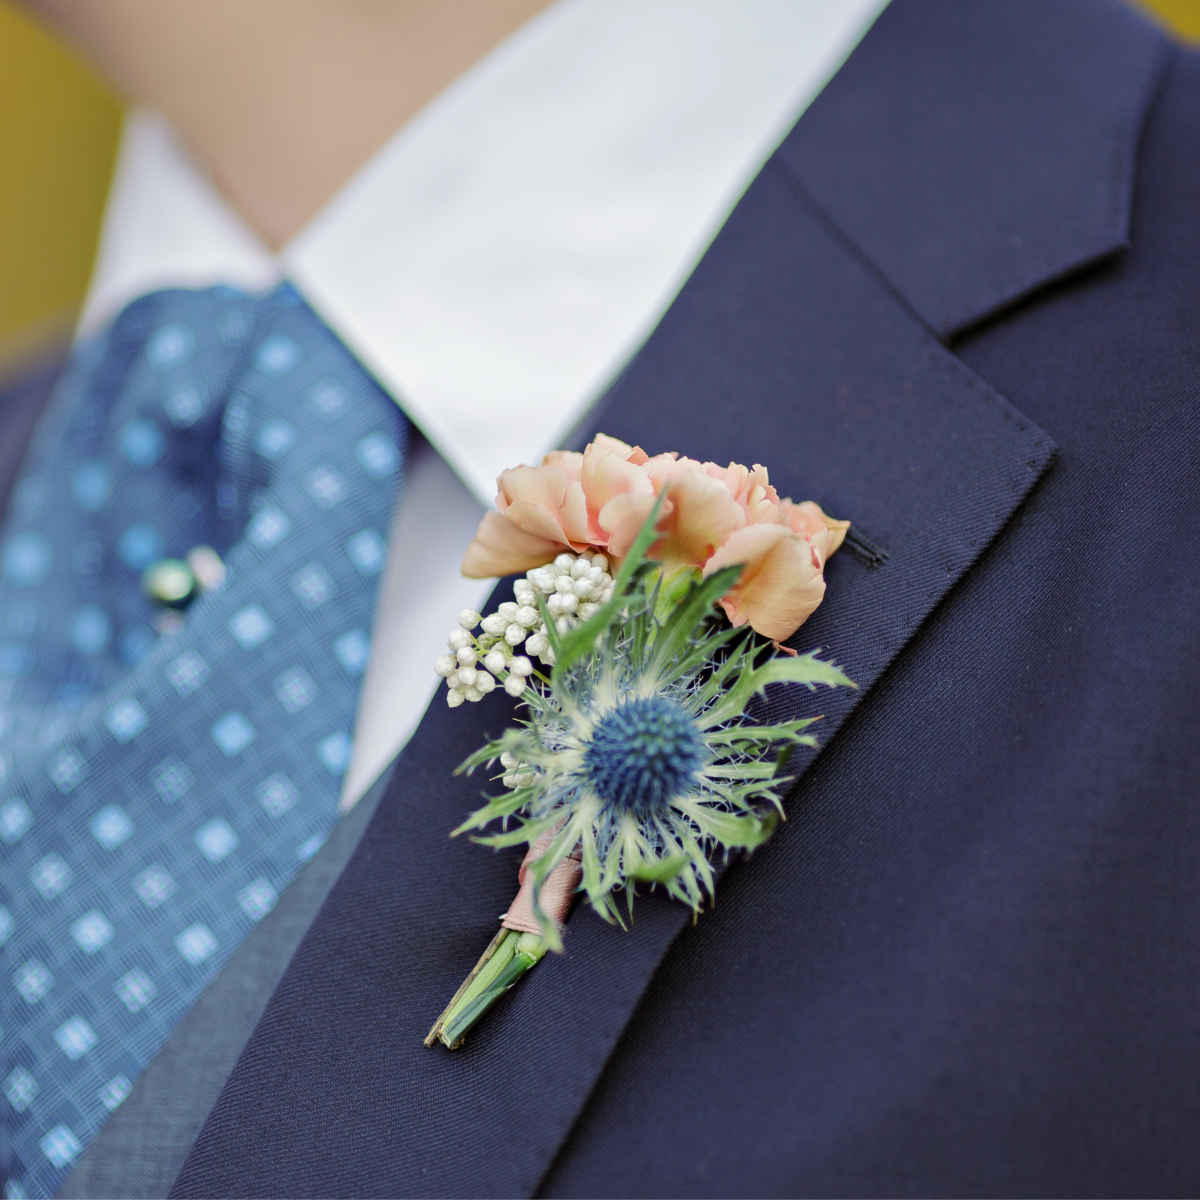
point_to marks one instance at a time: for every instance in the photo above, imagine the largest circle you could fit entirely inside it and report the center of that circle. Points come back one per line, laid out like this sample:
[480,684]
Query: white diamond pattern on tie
[159,789]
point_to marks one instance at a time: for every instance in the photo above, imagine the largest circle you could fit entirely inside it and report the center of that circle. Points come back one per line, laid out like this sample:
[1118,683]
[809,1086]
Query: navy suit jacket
[961,307]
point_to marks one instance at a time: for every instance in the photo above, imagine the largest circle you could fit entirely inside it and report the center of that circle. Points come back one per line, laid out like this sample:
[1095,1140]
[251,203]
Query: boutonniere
[656,597]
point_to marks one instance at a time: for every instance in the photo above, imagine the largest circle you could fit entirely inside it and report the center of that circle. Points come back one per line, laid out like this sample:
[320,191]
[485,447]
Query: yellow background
[58,135]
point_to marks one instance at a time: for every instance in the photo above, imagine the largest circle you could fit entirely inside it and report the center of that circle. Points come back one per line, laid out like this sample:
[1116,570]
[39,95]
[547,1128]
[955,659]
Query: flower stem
[506,959]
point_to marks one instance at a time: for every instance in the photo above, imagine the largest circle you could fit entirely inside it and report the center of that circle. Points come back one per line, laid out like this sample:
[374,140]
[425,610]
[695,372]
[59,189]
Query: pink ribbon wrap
[558,889]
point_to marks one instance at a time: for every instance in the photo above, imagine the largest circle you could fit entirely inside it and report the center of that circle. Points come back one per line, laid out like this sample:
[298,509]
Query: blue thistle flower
[643,753]
[638,749]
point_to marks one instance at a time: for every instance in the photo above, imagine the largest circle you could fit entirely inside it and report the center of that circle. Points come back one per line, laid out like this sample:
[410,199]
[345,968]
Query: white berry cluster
[516,774]
[574,587]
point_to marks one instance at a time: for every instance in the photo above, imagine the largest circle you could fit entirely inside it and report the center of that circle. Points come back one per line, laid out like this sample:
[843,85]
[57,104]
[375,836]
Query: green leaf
[784,756]
[661,869]
[747,770]
[758,733]
[612,867]
[497,807]
[805,669]
[517,742]
[590,860]
[696,605]
[739,660]
[481,758]
[528,831]
[737,833]
[671,592]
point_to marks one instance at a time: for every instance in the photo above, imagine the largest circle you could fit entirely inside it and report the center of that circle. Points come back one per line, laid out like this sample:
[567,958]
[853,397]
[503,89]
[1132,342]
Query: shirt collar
[501,257]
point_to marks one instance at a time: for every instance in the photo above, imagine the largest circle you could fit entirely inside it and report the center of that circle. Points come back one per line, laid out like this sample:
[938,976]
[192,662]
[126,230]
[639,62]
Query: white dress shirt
[497,262]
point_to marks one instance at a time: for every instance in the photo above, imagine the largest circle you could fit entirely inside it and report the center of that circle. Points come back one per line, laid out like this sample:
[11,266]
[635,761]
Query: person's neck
[283,100]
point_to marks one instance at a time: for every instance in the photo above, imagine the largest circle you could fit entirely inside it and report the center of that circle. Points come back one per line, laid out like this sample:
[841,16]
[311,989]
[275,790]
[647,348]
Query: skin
[283,100]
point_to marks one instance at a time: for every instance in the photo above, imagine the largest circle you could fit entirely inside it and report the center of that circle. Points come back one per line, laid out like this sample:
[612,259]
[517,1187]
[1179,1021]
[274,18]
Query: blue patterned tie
[159,786]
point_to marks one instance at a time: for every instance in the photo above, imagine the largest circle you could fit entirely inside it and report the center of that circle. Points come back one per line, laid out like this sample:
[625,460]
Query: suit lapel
[975,153]
[784,348]
[790,346]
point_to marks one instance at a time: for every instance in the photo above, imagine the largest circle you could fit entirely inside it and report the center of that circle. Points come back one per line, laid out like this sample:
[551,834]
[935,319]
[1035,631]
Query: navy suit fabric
[968,962]
[972,117]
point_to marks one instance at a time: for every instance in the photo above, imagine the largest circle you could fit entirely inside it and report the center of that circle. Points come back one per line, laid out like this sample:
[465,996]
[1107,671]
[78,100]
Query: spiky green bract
[637,648]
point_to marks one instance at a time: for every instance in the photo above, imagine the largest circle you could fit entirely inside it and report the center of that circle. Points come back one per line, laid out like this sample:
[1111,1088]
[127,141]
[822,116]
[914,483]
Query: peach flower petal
[622,518]
[575,516]
[703,516]
[661,469]
[760,499]
[603,444]
[535,485]
[500,548]
[607,474]
[537,520]
[824,532]
[568,461]
[779,587]
[711,516]
[534,497]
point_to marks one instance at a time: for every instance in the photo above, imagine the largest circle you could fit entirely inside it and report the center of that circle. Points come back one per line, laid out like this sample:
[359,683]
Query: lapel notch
[977,150]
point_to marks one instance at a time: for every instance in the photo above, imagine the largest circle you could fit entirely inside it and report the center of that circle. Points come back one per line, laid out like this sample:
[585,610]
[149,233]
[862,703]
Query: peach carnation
[711,517]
